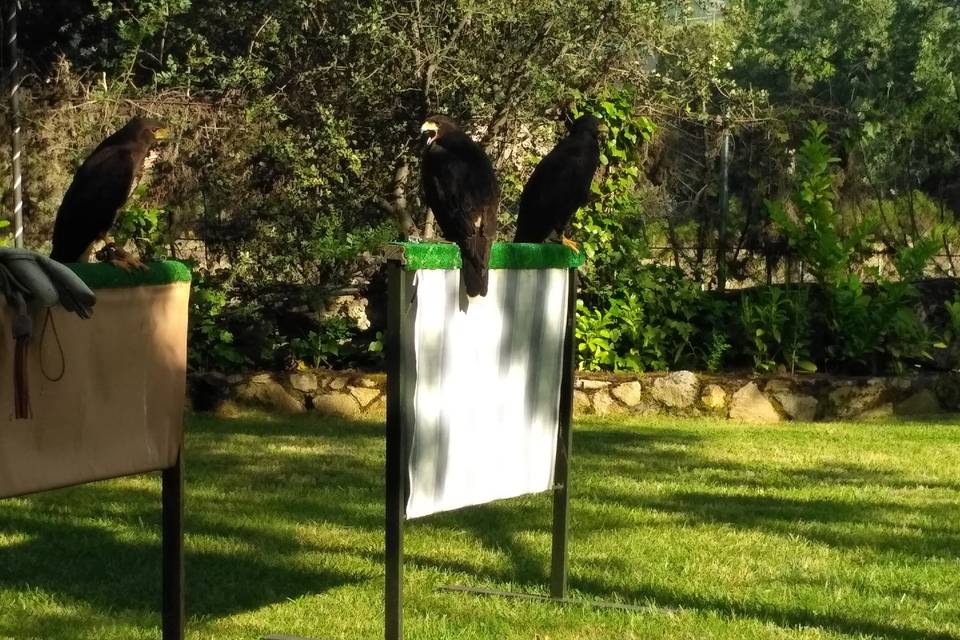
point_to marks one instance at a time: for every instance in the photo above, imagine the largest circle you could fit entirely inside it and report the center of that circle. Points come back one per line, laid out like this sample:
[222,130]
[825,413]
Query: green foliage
[653,322]
[885,326]
[866,329]
[597,338]
[951,331]
[609,229]
[816,236]
[295,157]
[881,68]
[212,345]
[331,344]
[5,240]
[623,326]
[882,327]
[146,226]
[717,349]
[776,324]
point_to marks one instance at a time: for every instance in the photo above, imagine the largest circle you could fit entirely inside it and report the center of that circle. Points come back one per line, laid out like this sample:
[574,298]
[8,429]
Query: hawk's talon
[121,259]
[120,263]
[564,240]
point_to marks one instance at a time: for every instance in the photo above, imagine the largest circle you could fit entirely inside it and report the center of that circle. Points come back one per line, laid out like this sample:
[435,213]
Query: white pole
[724,210]
[13,82]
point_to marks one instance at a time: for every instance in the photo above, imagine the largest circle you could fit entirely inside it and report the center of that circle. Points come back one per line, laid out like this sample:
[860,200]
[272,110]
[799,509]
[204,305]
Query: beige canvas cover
[117,410]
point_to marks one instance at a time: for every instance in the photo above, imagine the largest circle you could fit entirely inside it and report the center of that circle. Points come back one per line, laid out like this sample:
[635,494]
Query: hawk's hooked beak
[428,132]
[161,134]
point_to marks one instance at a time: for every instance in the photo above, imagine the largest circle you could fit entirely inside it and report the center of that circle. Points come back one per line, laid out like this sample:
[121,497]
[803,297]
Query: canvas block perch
[480,391]
[107,397]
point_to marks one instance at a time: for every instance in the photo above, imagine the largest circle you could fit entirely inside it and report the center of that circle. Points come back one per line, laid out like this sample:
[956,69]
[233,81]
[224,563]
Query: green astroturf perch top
[504,255]
[102,275]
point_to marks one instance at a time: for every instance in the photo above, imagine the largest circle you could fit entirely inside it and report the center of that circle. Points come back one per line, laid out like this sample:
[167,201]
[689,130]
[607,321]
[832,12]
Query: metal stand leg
[395,476]
[173,574]
[393,622]
[561,492]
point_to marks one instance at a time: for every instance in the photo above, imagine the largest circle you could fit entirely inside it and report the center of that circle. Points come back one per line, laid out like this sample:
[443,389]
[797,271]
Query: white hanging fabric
[482,386]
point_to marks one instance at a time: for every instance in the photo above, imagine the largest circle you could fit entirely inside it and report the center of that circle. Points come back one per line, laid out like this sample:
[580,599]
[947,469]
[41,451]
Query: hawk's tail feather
[475,252]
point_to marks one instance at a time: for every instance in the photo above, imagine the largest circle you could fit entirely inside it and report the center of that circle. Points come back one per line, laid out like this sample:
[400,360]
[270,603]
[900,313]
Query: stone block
[363,395]
[629,393]
[713,397]
[677,390]
[797,406]
[303,381]
[922,403]
[749,405]
[341,405]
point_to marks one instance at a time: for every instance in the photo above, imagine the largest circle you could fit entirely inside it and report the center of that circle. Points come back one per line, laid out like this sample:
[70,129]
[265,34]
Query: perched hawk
[461,189]
[560,184]
[99,190]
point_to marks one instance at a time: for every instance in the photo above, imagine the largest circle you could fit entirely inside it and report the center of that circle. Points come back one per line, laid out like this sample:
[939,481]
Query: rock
[713,397]
[371,383]
[778,385]
[850,400]
[264,390]
[677,390]
[749,405]
[207,390]
[229,409]
[922,403]
[303,381]
[339,383]
[603,404]
[353,307]
[591,384]
[581,403]
[341,405]
[378,408]
[235,378]
[363,395]
[884,411]
[902,383]
[797,406]
[629,393]
[948,390]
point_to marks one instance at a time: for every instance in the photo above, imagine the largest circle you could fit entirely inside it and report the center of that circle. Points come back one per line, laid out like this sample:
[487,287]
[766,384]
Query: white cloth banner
[482,386]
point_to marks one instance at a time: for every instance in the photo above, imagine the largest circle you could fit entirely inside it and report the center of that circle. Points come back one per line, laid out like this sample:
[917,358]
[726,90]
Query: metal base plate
[597,604]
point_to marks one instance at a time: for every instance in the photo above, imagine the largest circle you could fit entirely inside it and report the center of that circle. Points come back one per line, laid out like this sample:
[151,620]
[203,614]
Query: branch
[431,63]
[510,91]
[397,204]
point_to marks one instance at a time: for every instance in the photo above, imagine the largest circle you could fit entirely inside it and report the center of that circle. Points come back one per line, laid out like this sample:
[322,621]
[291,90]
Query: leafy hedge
[849,318]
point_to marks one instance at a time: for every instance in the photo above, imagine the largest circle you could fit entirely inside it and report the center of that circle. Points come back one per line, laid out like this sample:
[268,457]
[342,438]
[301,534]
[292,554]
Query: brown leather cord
[56,336]
[22,330]
[21,388]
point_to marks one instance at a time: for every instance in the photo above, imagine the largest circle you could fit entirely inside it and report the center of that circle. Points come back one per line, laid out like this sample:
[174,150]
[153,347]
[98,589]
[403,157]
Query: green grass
[719,531]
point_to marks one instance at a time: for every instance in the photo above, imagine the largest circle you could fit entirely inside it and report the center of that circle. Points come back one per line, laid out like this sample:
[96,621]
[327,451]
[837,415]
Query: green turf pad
[103,275]
[504,255]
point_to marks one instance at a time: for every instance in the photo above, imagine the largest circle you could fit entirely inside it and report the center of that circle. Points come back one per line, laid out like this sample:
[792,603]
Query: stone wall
[350,394]
[345,394]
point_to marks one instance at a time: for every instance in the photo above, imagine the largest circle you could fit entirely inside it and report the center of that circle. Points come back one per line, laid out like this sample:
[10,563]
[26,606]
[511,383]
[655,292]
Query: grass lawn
[719,531]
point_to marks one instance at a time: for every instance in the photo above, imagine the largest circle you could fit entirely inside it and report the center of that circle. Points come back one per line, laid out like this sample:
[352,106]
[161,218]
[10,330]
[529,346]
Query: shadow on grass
[654,454]
[647,453]
[782,616]
[244,501]
[90,564]
[651,455]
[252,483]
